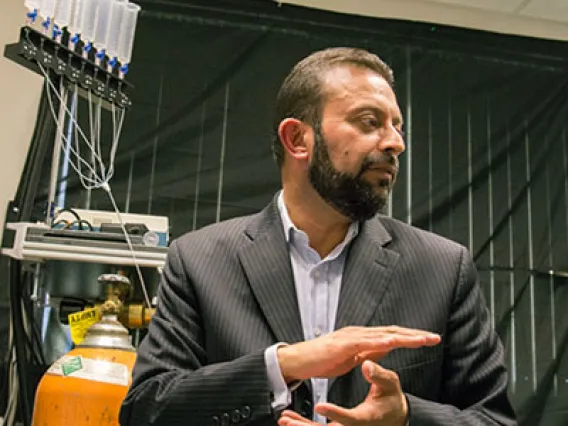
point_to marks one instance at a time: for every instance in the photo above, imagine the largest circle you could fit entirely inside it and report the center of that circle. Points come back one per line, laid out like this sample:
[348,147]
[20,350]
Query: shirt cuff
[281,394]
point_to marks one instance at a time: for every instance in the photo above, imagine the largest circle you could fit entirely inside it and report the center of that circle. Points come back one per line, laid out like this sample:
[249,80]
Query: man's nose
[391,140]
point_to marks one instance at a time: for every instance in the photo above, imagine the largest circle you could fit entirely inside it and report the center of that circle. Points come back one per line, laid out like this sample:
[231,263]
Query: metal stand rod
[56,155]
[491,225]
[531,258]
[512,294]
[469,180]
[222,153]
[408,135]
[198,167]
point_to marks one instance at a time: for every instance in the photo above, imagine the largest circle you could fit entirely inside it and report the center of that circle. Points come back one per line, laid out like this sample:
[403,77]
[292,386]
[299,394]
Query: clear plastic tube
[47,8]
[74,26]
[115,27]
[33,9]
[103,20]
[88,20]
[62,15]
[126,41]
[32,4]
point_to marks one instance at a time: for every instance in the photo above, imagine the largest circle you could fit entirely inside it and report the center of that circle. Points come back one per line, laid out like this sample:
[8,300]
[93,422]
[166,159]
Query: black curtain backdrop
[486,162]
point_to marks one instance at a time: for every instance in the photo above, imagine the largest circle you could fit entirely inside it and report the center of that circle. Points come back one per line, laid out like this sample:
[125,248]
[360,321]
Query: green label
[69,367]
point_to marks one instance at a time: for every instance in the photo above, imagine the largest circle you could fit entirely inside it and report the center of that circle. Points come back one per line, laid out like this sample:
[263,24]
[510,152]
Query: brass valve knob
[118,289]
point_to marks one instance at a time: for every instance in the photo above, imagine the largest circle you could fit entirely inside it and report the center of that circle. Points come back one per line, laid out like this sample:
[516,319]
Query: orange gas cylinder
[86,386]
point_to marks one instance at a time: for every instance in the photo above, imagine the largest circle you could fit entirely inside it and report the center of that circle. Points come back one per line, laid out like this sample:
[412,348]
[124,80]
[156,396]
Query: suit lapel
[367,274]
[266,262]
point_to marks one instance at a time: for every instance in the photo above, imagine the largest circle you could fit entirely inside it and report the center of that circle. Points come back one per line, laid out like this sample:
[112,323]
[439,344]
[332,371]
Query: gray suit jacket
[227,294]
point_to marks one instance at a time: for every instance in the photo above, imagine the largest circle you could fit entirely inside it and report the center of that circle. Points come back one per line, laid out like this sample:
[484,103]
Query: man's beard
[350,194]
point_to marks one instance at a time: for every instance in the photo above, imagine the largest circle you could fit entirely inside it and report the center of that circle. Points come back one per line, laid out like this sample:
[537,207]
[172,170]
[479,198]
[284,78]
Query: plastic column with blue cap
[114,32]
[89,17]
[74,26]
[61,18]
[101,29]
[126,41]
[33,9]
[47,11]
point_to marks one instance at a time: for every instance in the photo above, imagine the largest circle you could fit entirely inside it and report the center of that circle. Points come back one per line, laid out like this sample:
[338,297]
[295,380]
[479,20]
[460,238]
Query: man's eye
[370,121]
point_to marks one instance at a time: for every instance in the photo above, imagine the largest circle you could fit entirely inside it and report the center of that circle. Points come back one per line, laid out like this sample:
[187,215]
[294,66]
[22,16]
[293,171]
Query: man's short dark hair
[301,95]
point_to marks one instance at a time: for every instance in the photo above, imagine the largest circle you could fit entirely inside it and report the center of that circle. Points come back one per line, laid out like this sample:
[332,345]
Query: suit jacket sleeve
[172,383]
[475,381]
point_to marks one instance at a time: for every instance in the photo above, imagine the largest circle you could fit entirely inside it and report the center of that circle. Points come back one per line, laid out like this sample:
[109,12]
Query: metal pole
[512,295]
[430,171]
[67,155]
[222,153]
[199,159]
[129,184]
[491,225]
[551,268]
[469,180]
[408,135]
[450,170]
[56,155]
[155,144]
[531,257]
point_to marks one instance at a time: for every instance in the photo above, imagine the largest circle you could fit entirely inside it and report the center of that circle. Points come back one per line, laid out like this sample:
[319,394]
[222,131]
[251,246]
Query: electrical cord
[67,210]
[60,222]
[19,340]
[35,339]
[80,223]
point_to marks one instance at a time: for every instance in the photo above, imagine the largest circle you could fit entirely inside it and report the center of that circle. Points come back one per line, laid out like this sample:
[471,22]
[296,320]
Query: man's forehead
[358,84]
[350,76]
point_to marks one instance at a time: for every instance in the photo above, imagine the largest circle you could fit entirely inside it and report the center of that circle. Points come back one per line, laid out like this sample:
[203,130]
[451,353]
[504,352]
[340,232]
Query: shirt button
[225,419]
[316,274]
[245,412]
[317,332]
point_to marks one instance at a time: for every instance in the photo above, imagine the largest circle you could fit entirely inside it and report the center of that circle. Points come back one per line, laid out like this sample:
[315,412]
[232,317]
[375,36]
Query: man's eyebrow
[397,121]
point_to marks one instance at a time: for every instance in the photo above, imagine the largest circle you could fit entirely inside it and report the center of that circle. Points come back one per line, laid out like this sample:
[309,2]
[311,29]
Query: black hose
[14,268]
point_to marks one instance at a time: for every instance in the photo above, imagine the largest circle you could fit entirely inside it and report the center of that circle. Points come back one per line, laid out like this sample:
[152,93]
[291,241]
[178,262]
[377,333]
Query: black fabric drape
[486,119]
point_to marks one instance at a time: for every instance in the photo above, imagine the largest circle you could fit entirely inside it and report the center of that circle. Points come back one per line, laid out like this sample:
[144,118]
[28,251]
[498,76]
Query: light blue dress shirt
[318,283]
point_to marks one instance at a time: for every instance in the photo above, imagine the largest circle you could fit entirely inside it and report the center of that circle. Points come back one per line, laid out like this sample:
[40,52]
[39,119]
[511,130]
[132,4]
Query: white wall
[20,91]
[450,14]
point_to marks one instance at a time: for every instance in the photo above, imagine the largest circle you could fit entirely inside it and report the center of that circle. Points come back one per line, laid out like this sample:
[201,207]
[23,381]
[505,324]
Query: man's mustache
[380,161]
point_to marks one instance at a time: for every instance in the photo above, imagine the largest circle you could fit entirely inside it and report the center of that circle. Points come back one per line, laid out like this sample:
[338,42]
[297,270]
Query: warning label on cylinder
[69,367]
[90,369]
[79,323]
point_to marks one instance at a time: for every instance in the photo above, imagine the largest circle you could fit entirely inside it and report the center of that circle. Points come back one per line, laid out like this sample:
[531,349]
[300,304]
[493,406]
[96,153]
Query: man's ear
[292,133]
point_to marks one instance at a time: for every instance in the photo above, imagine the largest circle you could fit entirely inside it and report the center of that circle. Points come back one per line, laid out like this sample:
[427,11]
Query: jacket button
[306,409]
[225,420]
[235,417]
[245,412]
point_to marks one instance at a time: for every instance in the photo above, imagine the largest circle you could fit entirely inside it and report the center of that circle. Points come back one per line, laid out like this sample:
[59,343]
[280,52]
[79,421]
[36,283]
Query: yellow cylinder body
[64,400]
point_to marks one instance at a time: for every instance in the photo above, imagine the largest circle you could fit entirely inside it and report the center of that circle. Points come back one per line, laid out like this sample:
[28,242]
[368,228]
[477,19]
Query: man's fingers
[290,422]
[386,380]
[387,342]
[402,341]
[336,413]
[291,418]
[292,414]
[396,330]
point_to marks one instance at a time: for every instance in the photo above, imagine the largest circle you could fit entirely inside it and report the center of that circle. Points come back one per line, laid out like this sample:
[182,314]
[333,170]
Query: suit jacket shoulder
[411,237]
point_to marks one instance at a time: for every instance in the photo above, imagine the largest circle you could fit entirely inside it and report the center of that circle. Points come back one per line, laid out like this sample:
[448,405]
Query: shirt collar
[290,229]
